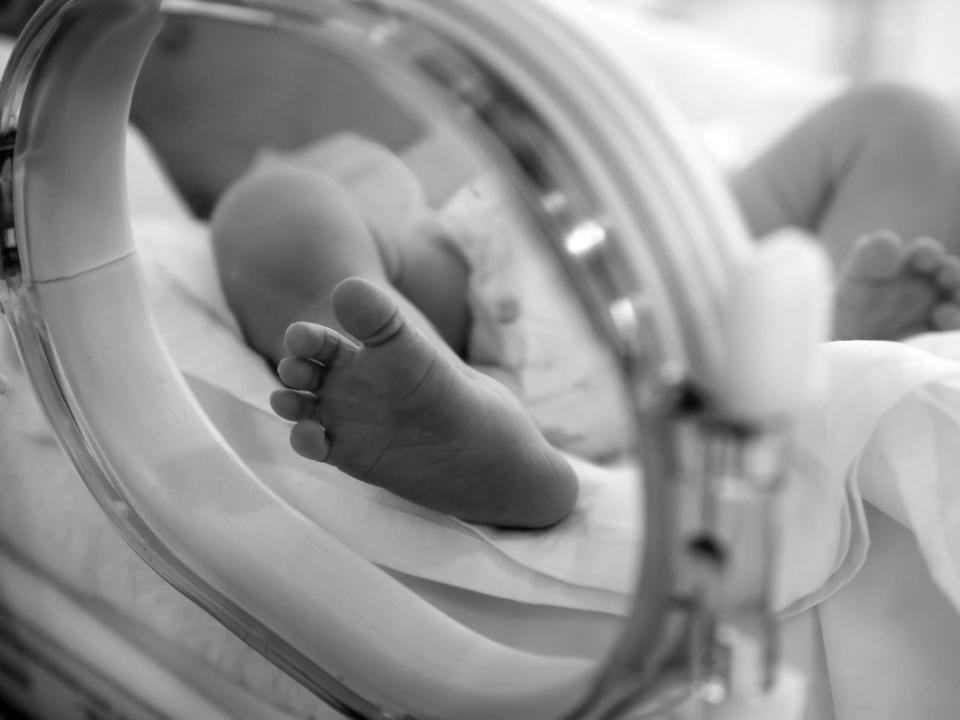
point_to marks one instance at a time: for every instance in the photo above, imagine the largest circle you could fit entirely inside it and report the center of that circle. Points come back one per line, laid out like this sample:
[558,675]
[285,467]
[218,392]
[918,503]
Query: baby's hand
[890,289]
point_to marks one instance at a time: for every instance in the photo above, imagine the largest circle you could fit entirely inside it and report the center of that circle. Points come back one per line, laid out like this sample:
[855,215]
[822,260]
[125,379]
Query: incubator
[711,340]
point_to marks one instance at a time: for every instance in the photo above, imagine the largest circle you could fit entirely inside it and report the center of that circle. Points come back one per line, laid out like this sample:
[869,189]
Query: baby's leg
[282,239]
[890,289]
[395,405]
[393,410]
[284,236]
[882,157]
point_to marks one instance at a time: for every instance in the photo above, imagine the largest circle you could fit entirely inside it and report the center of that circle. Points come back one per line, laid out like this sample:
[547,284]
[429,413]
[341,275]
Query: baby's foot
[396,411]
[890,289]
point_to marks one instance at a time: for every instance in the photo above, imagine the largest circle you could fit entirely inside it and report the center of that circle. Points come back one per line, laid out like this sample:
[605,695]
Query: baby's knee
[279,198]
[287,219]
[899,114]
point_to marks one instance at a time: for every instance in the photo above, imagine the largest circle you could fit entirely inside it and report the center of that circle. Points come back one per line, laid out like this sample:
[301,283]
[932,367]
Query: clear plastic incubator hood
[543,94]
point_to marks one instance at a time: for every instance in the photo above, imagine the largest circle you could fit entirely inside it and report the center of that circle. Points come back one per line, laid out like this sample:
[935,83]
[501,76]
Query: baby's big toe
[366,311]
[878,256]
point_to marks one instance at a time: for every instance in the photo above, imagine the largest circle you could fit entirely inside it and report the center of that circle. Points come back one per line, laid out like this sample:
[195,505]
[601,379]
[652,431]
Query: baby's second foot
[396,411]
[890,289]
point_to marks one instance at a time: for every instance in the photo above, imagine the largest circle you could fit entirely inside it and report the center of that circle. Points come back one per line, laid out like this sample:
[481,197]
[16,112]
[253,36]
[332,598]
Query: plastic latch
[9,252]
[779,310]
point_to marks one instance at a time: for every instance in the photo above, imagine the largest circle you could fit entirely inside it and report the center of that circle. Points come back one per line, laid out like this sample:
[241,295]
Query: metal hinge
[9,252]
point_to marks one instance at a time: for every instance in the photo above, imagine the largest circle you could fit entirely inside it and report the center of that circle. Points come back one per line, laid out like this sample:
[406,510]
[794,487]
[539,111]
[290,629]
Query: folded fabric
[908,468]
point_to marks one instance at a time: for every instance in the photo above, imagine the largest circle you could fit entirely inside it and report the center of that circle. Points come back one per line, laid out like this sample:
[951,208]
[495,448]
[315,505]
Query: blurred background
[905,40]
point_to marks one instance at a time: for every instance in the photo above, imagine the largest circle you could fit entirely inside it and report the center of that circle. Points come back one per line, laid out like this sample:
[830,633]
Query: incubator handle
[777,315]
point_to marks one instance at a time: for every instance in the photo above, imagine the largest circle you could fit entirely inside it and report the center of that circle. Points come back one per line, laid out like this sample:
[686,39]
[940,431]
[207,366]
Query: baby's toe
[878,256]
[310,439]
[924,255]
[293,405]
[948,276]
[301,374]
[946,316]
[316,342]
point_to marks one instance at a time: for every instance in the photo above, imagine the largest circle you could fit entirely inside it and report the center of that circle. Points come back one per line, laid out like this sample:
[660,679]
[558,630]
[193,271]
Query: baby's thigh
[879,157]
[894,163]
[283,238]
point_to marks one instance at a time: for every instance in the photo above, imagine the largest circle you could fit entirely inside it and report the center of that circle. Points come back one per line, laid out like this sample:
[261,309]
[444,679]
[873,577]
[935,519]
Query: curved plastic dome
[645,231]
